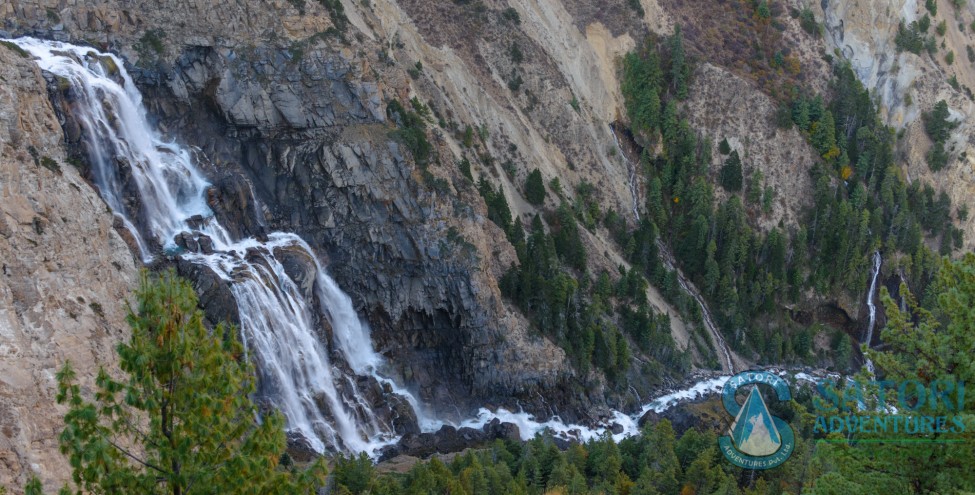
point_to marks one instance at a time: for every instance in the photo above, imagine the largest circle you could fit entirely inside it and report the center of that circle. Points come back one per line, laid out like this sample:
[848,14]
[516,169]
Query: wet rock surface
[450,439]
[330,170]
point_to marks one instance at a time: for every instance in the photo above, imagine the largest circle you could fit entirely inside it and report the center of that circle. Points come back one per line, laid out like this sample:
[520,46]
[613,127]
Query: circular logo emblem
[756,439]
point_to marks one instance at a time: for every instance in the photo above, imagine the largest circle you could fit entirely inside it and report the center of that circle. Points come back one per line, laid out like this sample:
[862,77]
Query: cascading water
[278,316]
[278,321]
[872,308]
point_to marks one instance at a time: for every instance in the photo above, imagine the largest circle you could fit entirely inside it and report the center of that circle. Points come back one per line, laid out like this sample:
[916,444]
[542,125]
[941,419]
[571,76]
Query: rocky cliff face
[64,281]
[907,84]
[287,100]
[292,111]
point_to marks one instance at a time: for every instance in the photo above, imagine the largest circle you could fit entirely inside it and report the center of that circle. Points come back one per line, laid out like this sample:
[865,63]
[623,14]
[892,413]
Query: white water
[872,308]
[626,424]
[279,327]
[728,364]
[278,322]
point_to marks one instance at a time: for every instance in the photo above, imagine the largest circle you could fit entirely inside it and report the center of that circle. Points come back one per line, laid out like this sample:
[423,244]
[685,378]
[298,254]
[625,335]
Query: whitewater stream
[278,319]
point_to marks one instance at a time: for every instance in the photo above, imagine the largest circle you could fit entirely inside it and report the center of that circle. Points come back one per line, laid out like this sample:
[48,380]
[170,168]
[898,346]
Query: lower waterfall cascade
[277,319]
[872,308]
[280,322]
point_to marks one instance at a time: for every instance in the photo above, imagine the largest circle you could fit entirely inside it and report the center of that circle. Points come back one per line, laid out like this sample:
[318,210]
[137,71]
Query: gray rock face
[309,138]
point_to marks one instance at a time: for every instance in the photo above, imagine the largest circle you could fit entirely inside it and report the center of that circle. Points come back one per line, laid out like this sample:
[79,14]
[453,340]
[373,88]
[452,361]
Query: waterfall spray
[278,320]
[872,308]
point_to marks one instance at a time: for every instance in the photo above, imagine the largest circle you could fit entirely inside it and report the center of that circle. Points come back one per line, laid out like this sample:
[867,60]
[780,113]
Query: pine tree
[731,174]
[680,71]
[182,422]
[535,188]
[724,147]
[800,113]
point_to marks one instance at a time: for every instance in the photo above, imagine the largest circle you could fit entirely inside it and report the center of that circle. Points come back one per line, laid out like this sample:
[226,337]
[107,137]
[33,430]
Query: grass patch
[16,49]
[50,164]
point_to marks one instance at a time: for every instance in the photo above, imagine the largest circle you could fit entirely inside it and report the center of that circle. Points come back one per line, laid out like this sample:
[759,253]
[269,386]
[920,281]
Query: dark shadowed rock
[299,448]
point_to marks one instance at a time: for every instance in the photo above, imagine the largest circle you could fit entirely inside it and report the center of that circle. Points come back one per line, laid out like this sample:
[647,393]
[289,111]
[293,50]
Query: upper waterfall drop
[280,323]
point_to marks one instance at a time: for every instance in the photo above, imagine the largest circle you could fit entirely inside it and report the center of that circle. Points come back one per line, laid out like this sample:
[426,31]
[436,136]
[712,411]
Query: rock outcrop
[64,281]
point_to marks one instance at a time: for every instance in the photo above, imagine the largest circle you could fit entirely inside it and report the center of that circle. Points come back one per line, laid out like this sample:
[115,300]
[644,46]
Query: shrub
[924,24]
[510,14]
[808,21]
[14,48]
[517,56]
[950,58]
[635,5]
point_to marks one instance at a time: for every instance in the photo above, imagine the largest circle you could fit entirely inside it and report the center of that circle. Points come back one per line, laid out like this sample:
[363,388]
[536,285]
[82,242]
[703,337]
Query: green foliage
[336,12]
[924,24]
[938,128]
[762,11]
[510,14]
[823,136]
[566,236]
[936,123]
[515,53]
[150,45]
[731,173]
[182,421]
[535,188]
[942,28]
[971,53]
[953,80]
[50,164]
[723,147]
[653,463]
[680,69]
[807,20]
[932,6]
[920,344]
[937,157]
[950,59]
[911,38]
[860,204]
[497,204]
[14,48]
[465,168]
[637,8]
[412,132]
[642,78]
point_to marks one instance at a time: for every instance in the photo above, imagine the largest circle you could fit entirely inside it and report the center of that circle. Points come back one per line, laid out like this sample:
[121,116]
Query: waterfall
[279,325]
[872,308]
[280,313]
